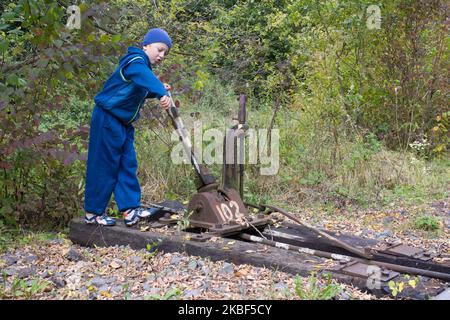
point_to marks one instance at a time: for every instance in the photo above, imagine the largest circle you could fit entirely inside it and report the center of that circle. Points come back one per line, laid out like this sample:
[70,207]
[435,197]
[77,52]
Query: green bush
[314,291]
[426,223]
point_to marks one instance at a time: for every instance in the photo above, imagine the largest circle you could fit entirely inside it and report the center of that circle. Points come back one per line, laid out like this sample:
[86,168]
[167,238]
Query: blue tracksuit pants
[111,164]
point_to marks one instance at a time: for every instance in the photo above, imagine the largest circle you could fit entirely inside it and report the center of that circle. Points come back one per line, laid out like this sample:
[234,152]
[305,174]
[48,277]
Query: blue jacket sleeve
[143,77]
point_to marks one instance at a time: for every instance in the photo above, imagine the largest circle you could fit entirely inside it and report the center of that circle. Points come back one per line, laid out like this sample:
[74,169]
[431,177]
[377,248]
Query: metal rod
[340,257]
[286,246]
[242,119]
[202,172]
[411,270]
[229,165]
[332,239]
[423,265]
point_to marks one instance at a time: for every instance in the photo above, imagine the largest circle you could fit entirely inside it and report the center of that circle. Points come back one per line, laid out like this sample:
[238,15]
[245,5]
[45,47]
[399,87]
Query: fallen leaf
[240,273]
[231,242]
[114,265]
[412,283]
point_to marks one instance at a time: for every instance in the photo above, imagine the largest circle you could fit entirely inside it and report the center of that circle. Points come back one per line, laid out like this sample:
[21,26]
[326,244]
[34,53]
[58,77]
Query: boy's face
[156,52]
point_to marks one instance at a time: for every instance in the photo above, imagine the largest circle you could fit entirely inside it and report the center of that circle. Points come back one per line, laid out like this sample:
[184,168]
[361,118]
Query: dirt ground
[58,269]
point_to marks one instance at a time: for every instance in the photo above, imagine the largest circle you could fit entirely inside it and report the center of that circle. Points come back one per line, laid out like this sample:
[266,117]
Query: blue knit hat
[157,35]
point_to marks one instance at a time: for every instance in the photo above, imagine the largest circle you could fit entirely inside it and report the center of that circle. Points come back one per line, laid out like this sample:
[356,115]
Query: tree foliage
[46,70]
[319,58]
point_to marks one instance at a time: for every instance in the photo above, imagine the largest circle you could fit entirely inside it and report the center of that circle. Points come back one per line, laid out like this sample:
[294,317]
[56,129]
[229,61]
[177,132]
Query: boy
[111,163]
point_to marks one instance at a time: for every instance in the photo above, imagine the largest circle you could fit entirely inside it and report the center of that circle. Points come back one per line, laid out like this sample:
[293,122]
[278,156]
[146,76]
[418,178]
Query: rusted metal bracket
[363,270]
[222,212]
[233,151]
[399,249]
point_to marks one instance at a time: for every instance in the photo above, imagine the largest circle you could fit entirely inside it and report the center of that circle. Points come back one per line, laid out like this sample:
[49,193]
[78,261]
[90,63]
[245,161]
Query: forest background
[359,95]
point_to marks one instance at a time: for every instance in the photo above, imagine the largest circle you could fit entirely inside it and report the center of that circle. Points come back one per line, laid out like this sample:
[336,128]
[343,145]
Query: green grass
[23,289]
[315,291]
[172,294]
[426,223]
[17,237]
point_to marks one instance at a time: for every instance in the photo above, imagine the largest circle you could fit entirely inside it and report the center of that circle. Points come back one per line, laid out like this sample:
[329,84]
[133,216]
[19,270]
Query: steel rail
[377,255]
[330,238]
[340,257]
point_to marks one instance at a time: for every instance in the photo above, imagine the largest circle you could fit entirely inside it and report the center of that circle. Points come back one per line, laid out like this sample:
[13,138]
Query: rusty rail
[330,238]
[340,257]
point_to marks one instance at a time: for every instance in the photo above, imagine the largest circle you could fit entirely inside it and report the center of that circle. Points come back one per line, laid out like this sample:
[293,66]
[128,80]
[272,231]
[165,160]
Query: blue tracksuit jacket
[111,163]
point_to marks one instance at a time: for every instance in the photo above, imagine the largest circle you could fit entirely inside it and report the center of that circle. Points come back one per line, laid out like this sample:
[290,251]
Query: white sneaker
[132,216]
[103,219]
